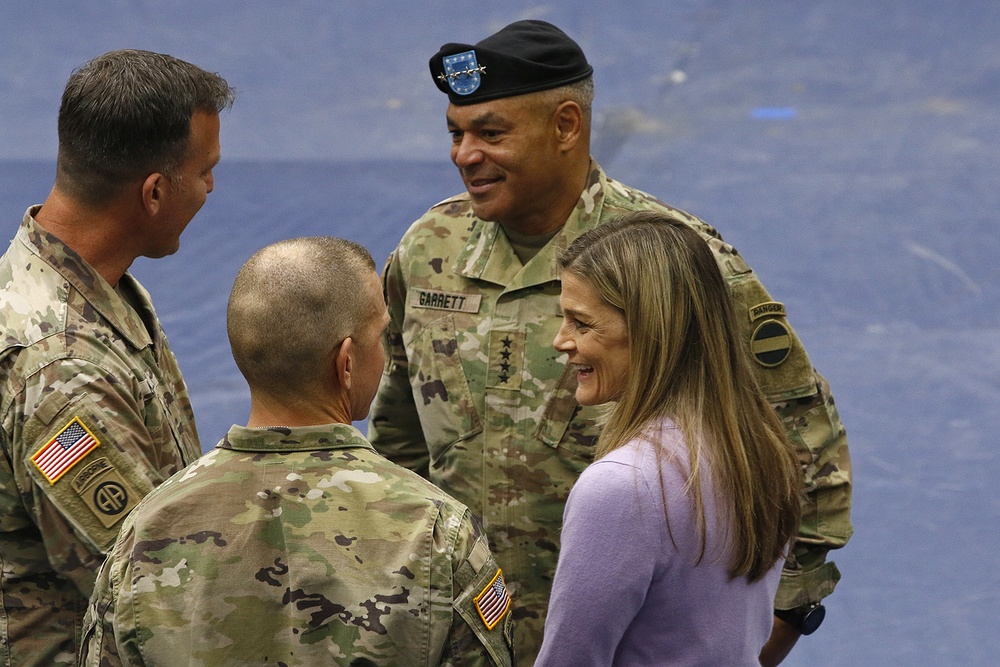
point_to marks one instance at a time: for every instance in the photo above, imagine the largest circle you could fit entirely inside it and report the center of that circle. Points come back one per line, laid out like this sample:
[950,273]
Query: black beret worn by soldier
[475,398]
[525,57]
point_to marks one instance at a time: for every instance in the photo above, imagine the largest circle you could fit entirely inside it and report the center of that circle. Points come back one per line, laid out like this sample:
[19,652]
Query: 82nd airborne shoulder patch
[105,491]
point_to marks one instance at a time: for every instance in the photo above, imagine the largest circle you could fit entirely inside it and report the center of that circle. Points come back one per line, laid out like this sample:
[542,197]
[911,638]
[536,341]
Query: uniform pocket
[567,425]
[440,389]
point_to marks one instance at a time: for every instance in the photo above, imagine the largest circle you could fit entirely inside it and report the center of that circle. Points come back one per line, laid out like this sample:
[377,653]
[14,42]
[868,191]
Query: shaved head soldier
[293,542]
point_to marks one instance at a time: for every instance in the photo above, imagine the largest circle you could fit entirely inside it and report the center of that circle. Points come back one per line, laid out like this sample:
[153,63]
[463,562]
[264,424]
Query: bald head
[292,303]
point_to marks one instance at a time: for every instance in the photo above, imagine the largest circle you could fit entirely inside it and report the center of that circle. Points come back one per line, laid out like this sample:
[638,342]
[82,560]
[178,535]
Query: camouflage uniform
[93,414]
[298,546]
[475,398]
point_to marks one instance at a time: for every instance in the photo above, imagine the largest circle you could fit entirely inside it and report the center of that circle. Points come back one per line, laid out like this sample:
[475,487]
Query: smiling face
[595,337]
[508,154]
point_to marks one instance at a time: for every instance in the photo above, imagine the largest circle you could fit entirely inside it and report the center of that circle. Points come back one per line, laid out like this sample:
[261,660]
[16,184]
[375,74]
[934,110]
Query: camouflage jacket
[93,414]
[475,398]
[298,546]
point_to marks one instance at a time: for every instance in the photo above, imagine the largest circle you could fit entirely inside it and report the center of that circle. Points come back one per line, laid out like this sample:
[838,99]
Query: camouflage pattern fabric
[475,398]
[298,546]
[93,414]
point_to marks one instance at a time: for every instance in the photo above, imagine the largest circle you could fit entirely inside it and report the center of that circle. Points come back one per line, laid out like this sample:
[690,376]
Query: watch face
[812,620]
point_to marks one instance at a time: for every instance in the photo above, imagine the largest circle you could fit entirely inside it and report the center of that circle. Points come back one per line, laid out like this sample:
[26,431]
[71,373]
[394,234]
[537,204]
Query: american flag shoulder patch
[65,450]
[493,601]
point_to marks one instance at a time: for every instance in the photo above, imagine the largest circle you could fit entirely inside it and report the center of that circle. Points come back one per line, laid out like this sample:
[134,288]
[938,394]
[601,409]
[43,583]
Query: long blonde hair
[689,364]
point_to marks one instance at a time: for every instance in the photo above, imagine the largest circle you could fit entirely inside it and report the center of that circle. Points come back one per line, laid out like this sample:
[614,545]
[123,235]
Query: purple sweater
[625,594]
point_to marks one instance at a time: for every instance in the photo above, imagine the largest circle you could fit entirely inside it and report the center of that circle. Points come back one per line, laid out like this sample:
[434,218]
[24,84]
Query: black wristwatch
[806,620]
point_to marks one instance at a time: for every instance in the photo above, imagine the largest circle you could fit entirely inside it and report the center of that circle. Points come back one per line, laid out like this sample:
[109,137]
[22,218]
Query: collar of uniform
[587,213]
[86,280]
[294,438]
[488,255]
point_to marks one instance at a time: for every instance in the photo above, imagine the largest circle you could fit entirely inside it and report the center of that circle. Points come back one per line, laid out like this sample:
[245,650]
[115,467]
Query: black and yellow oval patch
[771,343]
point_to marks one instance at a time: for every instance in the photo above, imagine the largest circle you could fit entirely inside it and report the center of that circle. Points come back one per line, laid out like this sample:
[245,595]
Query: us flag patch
[494,601]
[63,451]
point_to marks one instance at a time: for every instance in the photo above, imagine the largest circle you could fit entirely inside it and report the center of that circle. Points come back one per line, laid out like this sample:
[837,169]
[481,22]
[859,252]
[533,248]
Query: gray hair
[581,92]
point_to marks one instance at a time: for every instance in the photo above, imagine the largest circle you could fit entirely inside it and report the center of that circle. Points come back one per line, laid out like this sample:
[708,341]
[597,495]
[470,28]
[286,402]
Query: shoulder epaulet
[449,200]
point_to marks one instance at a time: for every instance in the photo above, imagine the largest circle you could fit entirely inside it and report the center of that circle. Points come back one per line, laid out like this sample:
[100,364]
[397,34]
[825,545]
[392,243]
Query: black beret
[524,57]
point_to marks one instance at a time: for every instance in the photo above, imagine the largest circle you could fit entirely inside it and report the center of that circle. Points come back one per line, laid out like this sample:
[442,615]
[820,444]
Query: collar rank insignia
[493,602]
[462,72]
[64,450]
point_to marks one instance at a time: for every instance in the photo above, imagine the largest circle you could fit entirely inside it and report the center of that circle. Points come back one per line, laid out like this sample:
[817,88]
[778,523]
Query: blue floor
[848,149]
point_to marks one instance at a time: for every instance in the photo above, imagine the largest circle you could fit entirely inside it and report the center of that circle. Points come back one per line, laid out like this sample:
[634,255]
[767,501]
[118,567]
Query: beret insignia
[462,72]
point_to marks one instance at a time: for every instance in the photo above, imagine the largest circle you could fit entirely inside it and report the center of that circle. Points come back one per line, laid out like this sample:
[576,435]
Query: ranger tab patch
[771,341]
[493,601]
[769,308]
[66,449]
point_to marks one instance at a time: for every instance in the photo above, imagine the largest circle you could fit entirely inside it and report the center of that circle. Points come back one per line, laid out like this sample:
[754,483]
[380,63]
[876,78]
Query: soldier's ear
[568,124]
[153,192]
[343,365]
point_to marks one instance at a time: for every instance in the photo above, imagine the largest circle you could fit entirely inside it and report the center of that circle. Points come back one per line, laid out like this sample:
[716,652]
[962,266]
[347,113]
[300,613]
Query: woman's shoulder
[656,457]
[661,440]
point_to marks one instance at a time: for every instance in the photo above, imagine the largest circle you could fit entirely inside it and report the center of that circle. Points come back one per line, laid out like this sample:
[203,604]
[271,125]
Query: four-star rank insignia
[771,340]
[462,72]
[506,360]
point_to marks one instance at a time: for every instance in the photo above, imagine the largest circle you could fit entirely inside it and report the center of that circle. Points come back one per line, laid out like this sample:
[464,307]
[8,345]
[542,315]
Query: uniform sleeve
[99,647]
[814,426]
[83,445]
[482,629]
[606,564]
[394,424]
[803,400]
